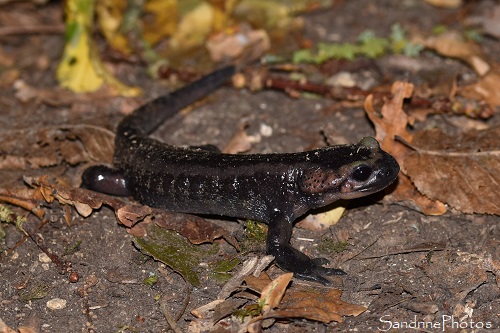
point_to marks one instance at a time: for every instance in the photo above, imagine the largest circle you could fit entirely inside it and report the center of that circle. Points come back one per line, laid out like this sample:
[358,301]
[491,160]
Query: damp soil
[397,286]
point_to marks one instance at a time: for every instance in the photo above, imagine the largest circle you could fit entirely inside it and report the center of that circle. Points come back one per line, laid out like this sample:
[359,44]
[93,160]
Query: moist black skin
[272,188]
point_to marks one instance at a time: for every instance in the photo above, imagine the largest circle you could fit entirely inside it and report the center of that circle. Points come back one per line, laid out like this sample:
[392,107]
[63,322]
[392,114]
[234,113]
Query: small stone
[56,304]
[42,257]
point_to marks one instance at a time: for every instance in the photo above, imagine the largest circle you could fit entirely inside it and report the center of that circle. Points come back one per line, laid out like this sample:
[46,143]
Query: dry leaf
[240,142]
[490,21]
[4,328]
[245,45]
[485,89]
[164,21]
[324,219]
[451,44]
[25,198]
[44,147]
[324,307]
[194,228]
[130,215]
[461,171]
[81,69]
[445,3]
[308,304]
[194,27]
[272,294]
[389,124]
[110,16]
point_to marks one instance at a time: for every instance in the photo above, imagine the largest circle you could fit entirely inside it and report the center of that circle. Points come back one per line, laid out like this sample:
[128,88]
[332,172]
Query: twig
[363,250]
[168,316]
[420,248]
[186,302]
[62,266]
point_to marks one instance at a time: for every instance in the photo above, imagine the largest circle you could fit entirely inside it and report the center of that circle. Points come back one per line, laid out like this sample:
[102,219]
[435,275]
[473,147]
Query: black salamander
[272,188]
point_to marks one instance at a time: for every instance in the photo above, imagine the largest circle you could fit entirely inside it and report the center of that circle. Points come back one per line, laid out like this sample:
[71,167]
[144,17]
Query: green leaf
[304,56]
[173,250]
[374,47]
[398,39]
[338,51]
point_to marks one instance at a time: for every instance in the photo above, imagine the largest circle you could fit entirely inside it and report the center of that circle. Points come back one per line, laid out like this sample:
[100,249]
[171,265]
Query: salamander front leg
[292,260]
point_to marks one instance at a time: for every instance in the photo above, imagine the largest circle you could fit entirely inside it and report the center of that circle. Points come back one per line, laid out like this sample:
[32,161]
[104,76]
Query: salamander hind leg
[291,259]
[104,179]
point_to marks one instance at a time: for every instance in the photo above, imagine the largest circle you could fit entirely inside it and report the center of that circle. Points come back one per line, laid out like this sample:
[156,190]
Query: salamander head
[347,172]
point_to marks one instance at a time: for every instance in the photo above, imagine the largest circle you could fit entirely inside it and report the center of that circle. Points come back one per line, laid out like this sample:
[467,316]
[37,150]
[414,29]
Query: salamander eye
[362,173]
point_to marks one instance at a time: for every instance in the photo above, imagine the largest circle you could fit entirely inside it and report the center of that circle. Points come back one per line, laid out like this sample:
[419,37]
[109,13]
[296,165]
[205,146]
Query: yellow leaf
[194,28]
[164,22]
[445,3]
[110,17]
[76,71]
[81,69]
[324,219]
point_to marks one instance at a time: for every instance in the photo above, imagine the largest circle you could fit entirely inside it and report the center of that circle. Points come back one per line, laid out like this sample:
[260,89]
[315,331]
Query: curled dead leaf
[272,294]
[129,215]
[485,89]
[391,123]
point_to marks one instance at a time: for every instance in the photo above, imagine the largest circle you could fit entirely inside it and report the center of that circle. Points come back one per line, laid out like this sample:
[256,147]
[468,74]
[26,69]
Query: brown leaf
[324,307]
[392,120]
[44,147]
[84,201]
[257,283]
[4,328]
[241,142]
[273,293]
[390,123]
[406,194]
[485,89]
[451,44]
[245,46]
[309,304]
[24,198]
[129,215]
[194,228]
[461,171]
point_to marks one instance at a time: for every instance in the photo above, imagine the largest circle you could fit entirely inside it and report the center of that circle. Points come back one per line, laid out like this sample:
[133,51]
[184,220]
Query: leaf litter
[278,300]
[437,149]
[433,161]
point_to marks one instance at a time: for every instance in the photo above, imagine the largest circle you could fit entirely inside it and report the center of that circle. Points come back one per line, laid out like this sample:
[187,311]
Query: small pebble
[42,257]
[56,304]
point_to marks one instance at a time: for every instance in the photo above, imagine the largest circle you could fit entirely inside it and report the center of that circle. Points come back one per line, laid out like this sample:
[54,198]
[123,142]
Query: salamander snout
[370,176]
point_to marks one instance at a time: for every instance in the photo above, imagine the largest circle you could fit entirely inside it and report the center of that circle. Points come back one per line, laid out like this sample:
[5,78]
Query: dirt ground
[397,283]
